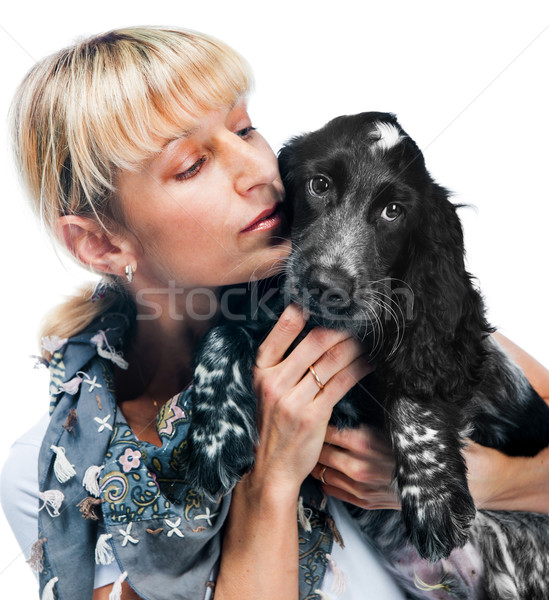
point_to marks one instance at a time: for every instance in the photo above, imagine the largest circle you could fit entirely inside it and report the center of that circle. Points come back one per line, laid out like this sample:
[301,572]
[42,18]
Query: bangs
[156,88]
[110,102]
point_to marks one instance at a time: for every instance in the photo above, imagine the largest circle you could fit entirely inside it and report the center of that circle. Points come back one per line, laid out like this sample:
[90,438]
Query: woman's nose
[252,165]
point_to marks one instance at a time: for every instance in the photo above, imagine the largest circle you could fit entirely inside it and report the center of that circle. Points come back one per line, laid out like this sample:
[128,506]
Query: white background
[469,81]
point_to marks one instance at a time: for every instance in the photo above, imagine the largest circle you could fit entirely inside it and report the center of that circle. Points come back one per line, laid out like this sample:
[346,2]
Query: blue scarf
[106,496]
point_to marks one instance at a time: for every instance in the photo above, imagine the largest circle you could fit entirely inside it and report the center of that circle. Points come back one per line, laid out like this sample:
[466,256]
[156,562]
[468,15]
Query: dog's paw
[220,444]
[217,462]
[437,525]
[223,432]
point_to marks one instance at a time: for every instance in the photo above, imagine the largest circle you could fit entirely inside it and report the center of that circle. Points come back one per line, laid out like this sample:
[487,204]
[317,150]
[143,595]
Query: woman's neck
[168,329]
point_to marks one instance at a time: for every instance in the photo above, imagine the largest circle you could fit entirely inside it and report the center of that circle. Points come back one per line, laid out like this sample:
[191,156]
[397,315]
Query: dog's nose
[330,287]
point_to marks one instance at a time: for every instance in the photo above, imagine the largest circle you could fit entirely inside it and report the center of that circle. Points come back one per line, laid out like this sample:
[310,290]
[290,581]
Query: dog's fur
[378,250]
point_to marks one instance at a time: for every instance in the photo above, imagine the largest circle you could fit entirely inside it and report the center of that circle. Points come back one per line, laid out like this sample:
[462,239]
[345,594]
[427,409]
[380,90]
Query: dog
[377,249]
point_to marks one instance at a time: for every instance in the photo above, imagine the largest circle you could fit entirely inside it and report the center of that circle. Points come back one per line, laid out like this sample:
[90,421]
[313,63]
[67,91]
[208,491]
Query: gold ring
[316,378]
[323,470]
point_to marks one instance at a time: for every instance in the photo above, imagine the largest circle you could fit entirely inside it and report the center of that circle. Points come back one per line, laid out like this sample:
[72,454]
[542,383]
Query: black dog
[378,250]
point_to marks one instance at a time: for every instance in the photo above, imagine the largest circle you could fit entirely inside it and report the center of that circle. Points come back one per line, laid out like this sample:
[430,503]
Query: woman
[141,159]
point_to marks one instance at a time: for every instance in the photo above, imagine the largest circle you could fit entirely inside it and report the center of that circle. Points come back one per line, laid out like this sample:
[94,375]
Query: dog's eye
[391,212]
[319,185]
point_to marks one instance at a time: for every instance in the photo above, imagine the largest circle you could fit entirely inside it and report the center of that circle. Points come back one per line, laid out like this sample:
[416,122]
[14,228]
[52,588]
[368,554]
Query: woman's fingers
[336,386]
[376,469]
[369,499]
[289,325]
[357,465]
[327,351]
[307,352]
[366,494]
[362,440]
[339,370]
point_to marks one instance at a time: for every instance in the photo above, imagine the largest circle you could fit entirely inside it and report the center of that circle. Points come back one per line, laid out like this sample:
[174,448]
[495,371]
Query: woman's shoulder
[35,435]
[19,495]
[22,461]
[19,484]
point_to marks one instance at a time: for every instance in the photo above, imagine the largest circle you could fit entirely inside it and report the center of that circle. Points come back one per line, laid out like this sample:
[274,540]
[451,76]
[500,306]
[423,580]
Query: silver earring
[129,273]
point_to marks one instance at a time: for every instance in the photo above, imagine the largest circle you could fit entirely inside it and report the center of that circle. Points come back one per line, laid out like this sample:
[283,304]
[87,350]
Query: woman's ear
[94,247]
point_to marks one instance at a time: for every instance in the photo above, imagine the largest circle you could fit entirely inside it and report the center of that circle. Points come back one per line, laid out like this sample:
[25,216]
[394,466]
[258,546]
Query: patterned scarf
[106,496]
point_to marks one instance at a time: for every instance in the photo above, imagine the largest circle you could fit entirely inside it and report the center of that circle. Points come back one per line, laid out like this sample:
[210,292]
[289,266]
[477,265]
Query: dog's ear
[444,296]
[287,163]
[448,324]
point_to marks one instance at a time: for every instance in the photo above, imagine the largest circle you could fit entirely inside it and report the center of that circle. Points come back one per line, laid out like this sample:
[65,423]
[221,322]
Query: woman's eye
[319,186]
[192,170]
[246,132]
[391,212]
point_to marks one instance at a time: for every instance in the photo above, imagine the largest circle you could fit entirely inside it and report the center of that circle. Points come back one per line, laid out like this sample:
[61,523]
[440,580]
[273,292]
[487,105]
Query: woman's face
[205,210]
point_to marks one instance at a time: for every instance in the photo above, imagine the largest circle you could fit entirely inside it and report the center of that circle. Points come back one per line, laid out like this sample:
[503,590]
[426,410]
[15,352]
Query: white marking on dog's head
[389,136]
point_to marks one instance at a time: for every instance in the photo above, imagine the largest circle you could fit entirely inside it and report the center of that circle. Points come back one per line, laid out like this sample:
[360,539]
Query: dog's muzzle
[329,290]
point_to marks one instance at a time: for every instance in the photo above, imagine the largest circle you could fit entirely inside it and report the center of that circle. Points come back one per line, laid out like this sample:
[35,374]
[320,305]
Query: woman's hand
[357,466]
[260,556]
[501,482]
[293,410]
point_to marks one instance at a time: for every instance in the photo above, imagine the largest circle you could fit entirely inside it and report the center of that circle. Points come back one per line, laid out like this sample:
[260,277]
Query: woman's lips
[268,219]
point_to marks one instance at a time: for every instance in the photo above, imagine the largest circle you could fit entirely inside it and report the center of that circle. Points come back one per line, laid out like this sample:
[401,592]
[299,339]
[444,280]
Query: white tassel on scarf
[47,594]
[323,502]
[52,343]
[71,386]
[116,593]
[104,554]
[91,480]
[106,351]
[52,500]
[340,583]
[62,467]
[323,595]
[304,515]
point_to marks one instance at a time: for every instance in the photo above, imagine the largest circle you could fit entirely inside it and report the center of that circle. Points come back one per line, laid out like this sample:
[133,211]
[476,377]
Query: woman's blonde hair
[106,104]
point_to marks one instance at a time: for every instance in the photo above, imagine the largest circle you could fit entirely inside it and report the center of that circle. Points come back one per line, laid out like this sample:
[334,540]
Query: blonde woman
[141,160]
